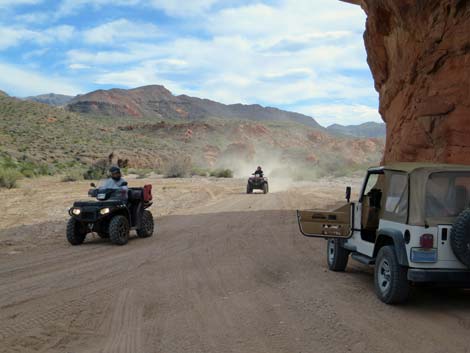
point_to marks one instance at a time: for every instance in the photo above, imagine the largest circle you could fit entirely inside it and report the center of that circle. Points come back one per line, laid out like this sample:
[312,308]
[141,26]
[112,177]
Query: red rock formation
[419,55]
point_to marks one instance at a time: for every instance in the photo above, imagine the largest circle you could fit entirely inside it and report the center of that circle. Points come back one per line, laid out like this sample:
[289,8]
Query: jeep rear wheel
[390,278]
[336,255]
[119,230]
[76,232]
[146,225]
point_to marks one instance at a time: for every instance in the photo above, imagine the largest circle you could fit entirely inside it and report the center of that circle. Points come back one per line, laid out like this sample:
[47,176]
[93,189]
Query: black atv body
[257,182]
[111,216]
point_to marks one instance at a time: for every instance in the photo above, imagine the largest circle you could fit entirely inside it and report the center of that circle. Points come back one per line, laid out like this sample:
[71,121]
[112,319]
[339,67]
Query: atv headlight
[104,211]
[76,211]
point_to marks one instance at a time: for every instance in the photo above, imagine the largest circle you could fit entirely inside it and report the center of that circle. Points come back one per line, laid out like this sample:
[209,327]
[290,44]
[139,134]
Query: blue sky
[302,55]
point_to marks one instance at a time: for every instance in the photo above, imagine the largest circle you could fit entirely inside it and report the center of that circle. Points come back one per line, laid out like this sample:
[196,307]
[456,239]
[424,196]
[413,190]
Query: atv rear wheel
[119,230]
[76,232]
[146,225]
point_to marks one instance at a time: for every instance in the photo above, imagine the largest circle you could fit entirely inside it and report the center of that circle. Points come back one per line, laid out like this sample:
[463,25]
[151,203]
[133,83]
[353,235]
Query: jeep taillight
[426,241]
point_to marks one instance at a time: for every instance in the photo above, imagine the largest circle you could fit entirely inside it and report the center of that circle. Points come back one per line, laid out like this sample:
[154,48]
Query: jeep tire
[119,230]
[390,278]
[337,256]
[76,232]
[146,225]
[460,237]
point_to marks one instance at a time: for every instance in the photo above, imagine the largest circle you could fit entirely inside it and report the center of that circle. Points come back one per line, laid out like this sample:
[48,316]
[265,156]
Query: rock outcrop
[419,55]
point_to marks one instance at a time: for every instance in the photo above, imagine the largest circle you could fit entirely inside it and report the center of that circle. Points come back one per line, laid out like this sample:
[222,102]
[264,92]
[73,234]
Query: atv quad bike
[112,216]
[257,182]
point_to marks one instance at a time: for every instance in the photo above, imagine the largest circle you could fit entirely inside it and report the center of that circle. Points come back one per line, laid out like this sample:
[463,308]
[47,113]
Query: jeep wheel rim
[331,251]
[384,276]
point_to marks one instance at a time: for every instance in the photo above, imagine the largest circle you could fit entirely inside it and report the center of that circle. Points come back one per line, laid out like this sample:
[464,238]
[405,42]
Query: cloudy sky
[302,55]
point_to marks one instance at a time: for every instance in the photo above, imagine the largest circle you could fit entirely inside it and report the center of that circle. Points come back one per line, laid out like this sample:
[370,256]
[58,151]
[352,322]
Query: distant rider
[116,181]
[259,172]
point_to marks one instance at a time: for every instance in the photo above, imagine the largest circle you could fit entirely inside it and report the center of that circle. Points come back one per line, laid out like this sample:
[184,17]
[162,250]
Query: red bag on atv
[148,193]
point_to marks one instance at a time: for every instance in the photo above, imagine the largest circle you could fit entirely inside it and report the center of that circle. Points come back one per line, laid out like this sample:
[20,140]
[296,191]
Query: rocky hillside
[419,54]
[157,101]
[51,99]
[370,129]
[3,94]
[60,139]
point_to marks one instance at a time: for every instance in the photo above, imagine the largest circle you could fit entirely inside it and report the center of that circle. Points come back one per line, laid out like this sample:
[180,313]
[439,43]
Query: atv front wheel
[119,230]
[249,189]
[76,232]
[146,225]
[265,188]
[390,278]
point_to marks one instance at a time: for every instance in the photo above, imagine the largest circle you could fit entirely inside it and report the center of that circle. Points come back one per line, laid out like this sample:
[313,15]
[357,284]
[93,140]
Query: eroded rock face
[419,54]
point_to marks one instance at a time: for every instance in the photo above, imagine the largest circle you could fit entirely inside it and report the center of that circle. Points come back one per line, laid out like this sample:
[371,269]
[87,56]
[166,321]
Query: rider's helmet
[259,168]
[115,173]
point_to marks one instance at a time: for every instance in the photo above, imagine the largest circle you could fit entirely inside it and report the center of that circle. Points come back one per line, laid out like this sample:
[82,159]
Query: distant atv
[257,182]
[112,217]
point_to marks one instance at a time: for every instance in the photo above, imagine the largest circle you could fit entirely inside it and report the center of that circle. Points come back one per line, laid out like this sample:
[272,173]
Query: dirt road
[226,272]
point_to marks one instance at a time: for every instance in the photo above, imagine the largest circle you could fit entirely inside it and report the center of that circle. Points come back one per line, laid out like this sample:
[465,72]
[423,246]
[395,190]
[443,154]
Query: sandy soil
[225,272]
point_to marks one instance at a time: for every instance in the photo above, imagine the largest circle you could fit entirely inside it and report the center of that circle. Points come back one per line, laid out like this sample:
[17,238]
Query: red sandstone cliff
[419,54]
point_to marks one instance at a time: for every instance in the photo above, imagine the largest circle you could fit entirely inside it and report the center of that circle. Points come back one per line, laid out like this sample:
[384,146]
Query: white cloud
[8,3]
[170,7]
[22,82]
[120,31]
[344,114]
[14,36]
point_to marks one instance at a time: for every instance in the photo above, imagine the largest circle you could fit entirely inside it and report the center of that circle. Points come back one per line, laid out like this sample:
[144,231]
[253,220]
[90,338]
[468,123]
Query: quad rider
[115,181]
[259,172]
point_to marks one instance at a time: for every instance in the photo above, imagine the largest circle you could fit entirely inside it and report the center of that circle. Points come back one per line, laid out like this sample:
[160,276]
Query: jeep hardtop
[411,221]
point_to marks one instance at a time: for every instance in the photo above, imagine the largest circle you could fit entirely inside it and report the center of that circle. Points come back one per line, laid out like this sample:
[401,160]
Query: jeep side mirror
[93,185]
[348,193]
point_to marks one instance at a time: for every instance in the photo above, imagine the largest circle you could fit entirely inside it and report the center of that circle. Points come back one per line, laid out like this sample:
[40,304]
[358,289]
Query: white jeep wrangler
[412,222]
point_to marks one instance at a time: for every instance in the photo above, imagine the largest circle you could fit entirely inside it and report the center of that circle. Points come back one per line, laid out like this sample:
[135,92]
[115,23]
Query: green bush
[9,178]
[222,173]
[199,172]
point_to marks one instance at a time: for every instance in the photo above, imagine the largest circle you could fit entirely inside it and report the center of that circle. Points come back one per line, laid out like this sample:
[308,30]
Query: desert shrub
[222,173]
[72,175]
[196,171]
[9,178]
[177,168]
[97,170]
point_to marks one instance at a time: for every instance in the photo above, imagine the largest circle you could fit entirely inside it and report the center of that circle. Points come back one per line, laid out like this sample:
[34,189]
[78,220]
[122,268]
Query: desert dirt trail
[225,272]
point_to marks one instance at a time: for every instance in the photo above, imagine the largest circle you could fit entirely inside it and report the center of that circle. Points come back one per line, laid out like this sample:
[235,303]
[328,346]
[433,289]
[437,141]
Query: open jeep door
[327,224]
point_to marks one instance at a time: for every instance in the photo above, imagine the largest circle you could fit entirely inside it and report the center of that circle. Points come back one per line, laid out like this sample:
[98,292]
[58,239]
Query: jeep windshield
[447,194]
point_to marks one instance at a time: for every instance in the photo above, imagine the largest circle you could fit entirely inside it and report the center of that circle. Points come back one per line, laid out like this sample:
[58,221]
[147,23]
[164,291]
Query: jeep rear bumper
[439,276]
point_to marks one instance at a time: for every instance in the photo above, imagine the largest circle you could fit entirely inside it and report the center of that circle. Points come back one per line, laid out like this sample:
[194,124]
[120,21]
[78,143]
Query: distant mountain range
[51,99]
[157,101]
[370,130]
